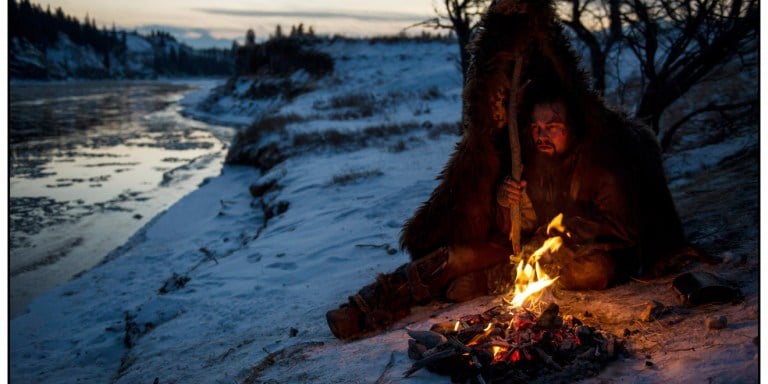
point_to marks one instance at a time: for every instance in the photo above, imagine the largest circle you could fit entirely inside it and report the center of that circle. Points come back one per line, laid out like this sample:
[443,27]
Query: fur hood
[461,210]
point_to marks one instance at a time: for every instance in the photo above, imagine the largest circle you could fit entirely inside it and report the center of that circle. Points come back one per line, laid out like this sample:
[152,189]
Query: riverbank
[91,163]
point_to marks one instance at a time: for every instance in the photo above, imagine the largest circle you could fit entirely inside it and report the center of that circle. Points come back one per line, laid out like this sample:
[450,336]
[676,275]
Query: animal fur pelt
[462,209]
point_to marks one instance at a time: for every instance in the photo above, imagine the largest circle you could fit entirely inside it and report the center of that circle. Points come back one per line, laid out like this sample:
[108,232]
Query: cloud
[361,16]
[350,23]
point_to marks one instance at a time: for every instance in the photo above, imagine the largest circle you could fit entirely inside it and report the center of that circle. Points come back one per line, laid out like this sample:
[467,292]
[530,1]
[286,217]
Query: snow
[696,160]
[259,290]
[137,44]
[67,60]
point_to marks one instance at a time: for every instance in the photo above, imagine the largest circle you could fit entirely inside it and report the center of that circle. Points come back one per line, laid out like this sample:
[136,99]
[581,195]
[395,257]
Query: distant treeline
[172,57]
[32,27]
[46,44]
[42,28]
[283,53]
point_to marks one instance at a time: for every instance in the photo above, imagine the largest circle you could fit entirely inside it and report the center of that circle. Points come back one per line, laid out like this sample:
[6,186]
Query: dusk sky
[201,23]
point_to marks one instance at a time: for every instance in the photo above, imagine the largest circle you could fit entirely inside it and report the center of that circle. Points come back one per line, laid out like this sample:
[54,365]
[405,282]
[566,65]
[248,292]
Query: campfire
[530,279]
[511,343]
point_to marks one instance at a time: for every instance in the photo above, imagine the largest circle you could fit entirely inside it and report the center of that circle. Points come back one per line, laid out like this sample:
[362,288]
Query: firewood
[514,343]
[427,338]
[416,350]
[431,359]
[548,318]
[444,327]
[547,359]
[458,345]
[387,367]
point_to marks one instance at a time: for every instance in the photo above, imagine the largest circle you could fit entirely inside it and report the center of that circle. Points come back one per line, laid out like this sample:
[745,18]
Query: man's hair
[547,90]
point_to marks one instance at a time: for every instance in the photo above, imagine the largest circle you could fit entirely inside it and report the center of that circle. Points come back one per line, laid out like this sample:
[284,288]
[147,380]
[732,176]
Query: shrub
[352,105]
[272,88]
[247,149]
[352,176]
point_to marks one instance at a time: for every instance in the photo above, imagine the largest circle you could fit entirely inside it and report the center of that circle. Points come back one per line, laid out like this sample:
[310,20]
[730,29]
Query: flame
[557,223]
[531,280]
[480,336]
[497,350]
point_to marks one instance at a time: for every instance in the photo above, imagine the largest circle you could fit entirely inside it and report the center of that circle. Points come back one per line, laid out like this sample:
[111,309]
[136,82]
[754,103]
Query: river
[90,163]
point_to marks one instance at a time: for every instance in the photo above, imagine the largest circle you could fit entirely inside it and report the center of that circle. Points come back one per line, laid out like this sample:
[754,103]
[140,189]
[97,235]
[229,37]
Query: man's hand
[509,192]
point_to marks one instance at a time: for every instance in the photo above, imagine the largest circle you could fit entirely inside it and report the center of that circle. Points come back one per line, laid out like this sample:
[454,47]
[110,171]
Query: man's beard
[547,161]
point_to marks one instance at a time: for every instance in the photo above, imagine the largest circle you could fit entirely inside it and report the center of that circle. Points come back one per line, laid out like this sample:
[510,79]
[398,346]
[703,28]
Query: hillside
[46,45]
[143,58]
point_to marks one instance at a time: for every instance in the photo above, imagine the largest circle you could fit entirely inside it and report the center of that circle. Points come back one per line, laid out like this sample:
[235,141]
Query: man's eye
[555,128]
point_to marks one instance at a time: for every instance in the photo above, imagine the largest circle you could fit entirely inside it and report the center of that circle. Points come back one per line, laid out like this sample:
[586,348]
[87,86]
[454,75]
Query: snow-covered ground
[209,293]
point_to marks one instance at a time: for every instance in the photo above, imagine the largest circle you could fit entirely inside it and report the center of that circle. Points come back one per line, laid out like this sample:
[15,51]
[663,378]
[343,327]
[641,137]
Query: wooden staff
[514,144]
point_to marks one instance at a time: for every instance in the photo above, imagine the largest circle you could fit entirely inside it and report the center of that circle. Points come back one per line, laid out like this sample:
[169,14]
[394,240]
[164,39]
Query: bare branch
[722,109]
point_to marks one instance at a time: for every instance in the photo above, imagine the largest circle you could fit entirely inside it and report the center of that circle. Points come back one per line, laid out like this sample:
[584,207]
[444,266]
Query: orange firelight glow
[480,336]
[497,350]
[531,280]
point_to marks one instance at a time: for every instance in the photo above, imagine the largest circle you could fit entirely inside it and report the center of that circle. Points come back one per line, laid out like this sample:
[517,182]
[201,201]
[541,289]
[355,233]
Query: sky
[206,23]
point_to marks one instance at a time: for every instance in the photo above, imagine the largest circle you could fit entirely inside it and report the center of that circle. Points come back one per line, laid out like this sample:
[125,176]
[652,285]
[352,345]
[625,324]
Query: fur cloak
[462,209]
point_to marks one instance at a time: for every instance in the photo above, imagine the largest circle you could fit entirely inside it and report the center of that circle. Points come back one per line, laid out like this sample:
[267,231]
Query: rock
[713,323]
[653,311]
[549,318]
[585,335]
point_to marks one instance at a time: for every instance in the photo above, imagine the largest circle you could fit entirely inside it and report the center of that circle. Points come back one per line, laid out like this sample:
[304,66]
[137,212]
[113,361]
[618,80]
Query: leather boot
[495,280]
[390,298]
[467,287]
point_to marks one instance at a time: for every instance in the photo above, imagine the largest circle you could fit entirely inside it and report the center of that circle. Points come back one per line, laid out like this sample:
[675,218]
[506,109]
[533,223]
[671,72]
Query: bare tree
[679,42]
[597,23]
[678,45]
[461,17]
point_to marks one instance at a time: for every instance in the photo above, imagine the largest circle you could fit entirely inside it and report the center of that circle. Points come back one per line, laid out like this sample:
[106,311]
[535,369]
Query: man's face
[549,129]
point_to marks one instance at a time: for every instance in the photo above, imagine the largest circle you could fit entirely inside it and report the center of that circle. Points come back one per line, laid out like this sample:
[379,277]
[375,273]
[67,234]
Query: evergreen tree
[43,27]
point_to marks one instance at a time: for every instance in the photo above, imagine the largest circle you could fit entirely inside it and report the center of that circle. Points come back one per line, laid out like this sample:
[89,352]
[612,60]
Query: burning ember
[511,344]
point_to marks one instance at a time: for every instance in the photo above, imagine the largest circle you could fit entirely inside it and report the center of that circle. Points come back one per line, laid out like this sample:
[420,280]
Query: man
[560,177]
[599,254]
[580,158]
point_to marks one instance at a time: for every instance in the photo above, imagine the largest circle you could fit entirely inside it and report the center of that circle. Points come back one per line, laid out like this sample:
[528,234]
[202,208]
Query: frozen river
[92,162]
